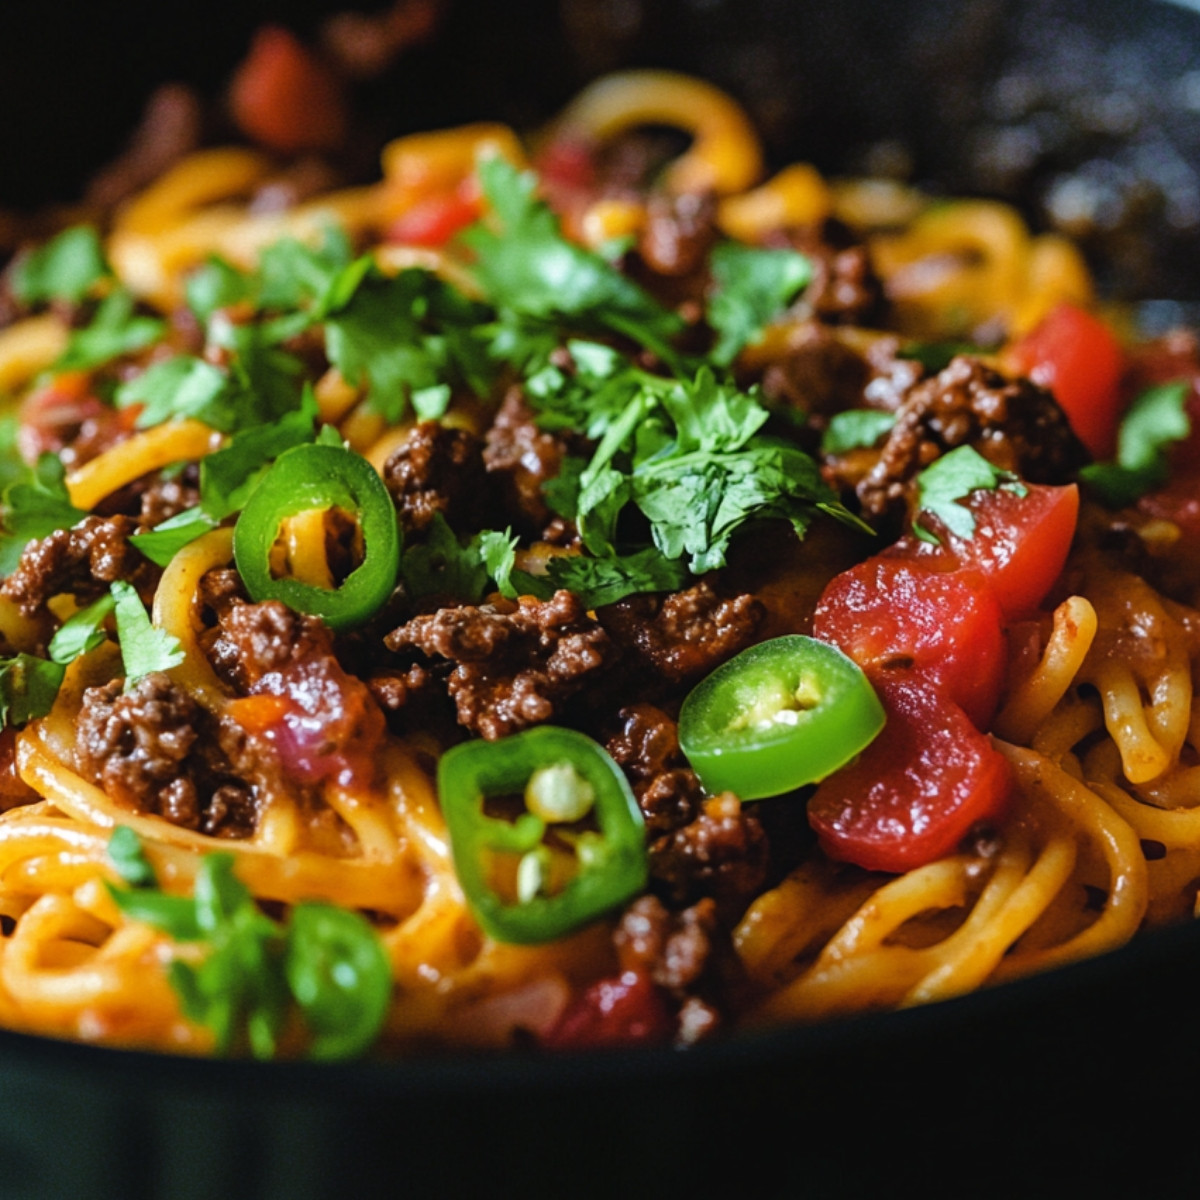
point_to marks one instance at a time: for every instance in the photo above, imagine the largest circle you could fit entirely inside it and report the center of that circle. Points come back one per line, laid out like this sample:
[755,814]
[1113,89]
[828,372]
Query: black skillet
[1079,1082]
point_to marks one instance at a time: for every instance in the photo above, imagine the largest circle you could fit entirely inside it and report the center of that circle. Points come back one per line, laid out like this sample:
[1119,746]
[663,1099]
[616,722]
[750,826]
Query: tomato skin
[434,220]
[897,617]
[624,1010]
[285,98]
[1077,357]
[1020,544]
[916,791]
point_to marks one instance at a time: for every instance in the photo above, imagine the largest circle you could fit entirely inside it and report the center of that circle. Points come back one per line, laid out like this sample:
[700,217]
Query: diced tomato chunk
[625,1010]
[916,791]
[895,617]
[1020,544]
[285,98]
[1078,358]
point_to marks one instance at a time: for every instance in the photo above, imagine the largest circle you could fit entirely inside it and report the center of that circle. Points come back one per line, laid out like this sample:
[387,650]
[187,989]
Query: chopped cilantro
[690,457]
[144,647]
[115,330]
[67,267]
[389,337]
[81,632]
[602,581]
[937,356]
[129,859]
[28,688]
[167,538]
[444,566]
[526,268]
[752,287]
[950,479]
[328,962]
[34,507]
[215,285]
[181,387]
[1155,421]
[854,429]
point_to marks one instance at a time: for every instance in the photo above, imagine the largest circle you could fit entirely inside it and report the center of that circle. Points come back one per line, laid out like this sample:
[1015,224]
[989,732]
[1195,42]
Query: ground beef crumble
[437,469]
[1013,423]
[82,560]
[522,458]
[508,666]
[156,750]
[674,638]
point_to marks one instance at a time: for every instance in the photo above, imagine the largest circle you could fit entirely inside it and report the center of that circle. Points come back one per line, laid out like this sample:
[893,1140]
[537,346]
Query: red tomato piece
[625,1010]
[285,98]
[1077,357]
[1020,544]
[915,792]
[893,616]
[434,220]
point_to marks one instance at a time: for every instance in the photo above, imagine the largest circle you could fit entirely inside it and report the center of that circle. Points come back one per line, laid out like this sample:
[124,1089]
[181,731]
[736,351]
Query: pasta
[214,747]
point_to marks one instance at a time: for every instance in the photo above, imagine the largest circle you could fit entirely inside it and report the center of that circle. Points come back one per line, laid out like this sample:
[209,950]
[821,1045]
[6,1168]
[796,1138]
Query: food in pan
[568,593]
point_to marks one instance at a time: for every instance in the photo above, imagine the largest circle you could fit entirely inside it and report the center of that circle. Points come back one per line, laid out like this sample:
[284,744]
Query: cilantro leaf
[129,859]
[937,356]
[115,330]
[167,538]
[144,647]
[216,284]
[854,429]
[752,287]
[950,479]
[525,266]
[34,507]
[443,566]
[689,456]
[329,962]
[602,581]
[228,476]
[81,632]
[398,337]
[499,554]
[28,688]
[1155,421]
[67,267]
[182,386]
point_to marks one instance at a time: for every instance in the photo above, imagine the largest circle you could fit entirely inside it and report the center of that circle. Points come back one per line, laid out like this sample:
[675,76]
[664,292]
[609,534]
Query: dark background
[1085,112]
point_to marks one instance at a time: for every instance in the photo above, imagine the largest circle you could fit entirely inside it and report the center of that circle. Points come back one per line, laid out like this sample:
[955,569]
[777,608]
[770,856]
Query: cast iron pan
[1078,1082]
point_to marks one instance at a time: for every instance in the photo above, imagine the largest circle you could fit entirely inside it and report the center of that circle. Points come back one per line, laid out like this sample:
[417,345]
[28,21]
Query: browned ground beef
[254,639]
[679,232]
[671,947]
[676,637]
[156,750]
[513,666]
[844,289]
[698,847]
[722,853]
[1013,423]
[522,458]
[82,560]
[436,469]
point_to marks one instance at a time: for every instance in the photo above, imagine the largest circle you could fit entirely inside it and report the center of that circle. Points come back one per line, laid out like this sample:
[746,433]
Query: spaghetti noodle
[787,358]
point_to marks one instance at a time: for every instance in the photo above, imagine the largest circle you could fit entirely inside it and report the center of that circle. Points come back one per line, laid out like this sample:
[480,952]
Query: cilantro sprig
[1156,420]
[327,964]
[67,267]
[752,286]
[526,268]
[690,457]
[952,478]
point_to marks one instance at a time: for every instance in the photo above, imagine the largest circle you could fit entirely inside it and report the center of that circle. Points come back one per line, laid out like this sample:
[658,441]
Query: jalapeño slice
[782,714]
